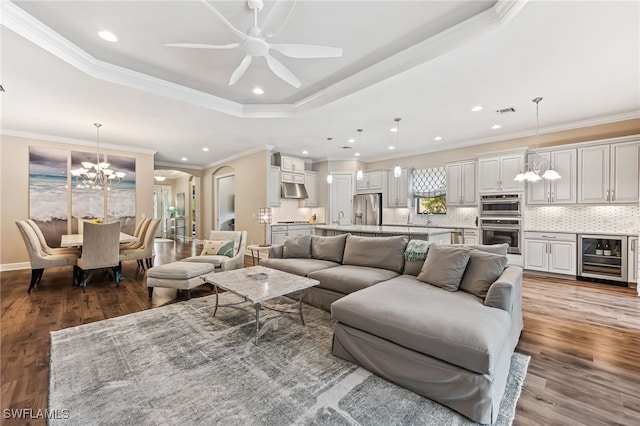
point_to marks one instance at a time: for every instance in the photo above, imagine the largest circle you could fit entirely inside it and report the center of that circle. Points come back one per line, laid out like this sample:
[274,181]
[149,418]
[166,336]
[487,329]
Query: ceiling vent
[346,147]
[505,110]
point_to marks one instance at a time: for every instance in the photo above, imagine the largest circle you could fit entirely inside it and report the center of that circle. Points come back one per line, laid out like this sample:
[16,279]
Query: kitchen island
[438,235]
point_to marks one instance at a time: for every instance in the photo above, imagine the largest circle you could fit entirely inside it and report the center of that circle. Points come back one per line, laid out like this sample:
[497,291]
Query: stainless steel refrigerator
[367,209]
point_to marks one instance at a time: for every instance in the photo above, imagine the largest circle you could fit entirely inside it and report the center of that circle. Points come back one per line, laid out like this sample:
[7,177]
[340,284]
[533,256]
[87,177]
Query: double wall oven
[501,221]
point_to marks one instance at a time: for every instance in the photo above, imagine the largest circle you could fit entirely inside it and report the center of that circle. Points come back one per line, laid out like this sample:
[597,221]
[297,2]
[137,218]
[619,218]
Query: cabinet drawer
[550,236]
[292,177]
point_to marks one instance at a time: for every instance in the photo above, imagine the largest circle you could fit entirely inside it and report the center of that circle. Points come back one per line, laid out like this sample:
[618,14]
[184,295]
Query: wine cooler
[603,257]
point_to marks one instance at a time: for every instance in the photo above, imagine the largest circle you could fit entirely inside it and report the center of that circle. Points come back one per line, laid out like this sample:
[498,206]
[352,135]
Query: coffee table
[257,290]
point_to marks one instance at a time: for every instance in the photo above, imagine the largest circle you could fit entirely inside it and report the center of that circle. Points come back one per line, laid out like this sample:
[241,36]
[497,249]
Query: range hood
[293,190]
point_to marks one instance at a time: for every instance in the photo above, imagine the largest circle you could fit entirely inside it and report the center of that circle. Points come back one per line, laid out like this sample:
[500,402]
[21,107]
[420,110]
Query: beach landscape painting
[121,195]
[48,192]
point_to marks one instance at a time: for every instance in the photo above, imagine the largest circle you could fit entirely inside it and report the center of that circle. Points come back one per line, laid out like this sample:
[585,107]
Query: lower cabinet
[471,236]
[280,232]
[632,260]
[550,252]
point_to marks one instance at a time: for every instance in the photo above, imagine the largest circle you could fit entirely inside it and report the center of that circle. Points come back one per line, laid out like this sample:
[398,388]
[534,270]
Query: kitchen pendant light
[397,171]
[359,173]
[536,162]
[329,175]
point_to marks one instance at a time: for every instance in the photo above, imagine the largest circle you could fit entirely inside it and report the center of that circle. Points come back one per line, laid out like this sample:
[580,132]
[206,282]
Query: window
[429,188]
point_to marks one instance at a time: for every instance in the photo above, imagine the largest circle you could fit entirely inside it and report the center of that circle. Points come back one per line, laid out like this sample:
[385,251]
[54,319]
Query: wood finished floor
[584,340]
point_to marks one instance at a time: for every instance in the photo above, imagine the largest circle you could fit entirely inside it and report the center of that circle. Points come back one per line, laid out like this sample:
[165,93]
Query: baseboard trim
[14,266]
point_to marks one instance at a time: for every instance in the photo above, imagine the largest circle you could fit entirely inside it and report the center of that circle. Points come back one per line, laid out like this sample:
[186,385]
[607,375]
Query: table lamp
[264,217]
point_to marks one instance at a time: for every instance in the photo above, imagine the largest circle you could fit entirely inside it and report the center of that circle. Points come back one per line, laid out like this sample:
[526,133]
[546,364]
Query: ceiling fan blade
[307,51]
[277,17]
[239,72]
[224,20]
[282,71]
[203,46]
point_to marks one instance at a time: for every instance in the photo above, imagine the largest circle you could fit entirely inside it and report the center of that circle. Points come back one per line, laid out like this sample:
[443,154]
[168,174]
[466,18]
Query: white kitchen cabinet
[495,174]
[311,184]
[280,232]
[608,174]
[371,182]
[550,252]
[341,198]
[291,164]
[292,177]
[632,260]
[399,187]
[471,236]
[274,186]
[461,184]
[559,191]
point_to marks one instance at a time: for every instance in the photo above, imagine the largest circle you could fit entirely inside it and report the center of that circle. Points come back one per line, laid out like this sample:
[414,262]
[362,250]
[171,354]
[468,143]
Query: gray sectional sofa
[445,327]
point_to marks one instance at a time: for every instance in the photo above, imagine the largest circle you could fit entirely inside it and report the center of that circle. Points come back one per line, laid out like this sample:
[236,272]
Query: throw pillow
[444,266]
[376,252]
[217,248]
[482,270]
[297,247]
[328,248]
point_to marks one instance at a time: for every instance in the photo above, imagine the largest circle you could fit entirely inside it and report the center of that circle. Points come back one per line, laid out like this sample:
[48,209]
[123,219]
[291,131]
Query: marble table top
[275,284]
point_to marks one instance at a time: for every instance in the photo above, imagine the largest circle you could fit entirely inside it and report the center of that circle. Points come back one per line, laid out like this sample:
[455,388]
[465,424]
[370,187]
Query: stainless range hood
[293,190]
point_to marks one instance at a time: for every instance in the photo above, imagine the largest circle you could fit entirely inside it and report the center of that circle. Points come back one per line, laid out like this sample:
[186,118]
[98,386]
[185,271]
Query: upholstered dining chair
[38,258]
[45,246]
[144,253]
[141,229]
[100,249]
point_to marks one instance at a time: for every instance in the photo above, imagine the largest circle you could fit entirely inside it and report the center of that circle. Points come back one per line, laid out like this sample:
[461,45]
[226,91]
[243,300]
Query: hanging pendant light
[329,175]
[359,173]
[397,171]
[534,166]
[98,175]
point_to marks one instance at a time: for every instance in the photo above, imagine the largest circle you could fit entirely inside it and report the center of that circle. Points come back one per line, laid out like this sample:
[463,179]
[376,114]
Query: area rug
[178,365]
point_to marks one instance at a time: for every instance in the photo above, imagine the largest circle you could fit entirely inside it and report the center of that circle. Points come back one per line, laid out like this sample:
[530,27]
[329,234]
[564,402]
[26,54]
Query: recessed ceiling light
[258,91]
[476,108]
[352,140]
[184,158]
[437,138]
[305,152]
[393,129]
[392,147]
[496,126]
[205,149]
[357,154]
[160,178]
[108,36]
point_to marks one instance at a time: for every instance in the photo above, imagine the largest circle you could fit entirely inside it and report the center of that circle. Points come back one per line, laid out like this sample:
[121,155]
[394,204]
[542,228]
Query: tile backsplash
[289,211]
[583,219]
[455,217]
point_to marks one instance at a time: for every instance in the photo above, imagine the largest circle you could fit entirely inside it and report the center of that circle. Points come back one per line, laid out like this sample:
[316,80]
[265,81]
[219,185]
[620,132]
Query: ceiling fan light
[551,174]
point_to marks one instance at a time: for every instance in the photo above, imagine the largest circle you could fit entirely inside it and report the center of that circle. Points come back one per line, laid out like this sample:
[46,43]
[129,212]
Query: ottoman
[178,275]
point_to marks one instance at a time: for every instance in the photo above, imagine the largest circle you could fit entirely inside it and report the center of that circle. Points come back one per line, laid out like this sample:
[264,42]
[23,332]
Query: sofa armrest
[275,252]
[504,293]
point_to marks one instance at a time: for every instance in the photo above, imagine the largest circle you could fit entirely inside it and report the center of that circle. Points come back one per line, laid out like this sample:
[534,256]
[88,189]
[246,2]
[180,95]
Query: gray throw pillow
[376,252]
[444,266]
[328,248]
[297,247]
[482,270]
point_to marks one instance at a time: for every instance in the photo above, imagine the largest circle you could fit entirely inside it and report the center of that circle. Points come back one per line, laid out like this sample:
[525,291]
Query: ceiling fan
[254,42]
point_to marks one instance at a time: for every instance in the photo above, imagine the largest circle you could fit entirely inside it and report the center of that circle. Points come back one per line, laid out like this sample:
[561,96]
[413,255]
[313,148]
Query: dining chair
[141,229]
[45,246]
[38,258]
[100,249]
[144,253]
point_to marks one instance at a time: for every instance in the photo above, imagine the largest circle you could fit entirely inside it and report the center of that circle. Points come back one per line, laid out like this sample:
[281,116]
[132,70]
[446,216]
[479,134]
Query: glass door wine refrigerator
[603,257]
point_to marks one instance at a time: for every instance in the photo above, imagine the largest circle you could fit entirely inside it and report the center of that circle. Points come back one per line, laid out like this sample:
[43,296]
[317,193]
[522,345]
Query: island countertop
[385,229]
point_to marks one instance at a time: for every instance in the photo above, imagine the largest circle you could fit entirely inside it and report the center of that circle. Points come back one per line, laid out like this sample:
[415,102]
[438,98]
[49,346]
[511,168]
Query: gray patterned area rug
[178,365]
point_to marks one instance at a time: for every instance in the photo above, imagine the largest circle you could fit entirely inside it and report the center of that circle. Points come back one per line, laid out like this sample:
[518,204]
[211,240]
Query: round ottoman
[178,275]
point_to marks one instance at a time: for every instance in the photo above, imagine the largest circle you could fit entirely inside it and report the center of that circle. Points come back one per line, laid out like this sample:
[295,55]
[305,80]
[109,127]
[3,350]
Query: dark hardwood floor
[584,340]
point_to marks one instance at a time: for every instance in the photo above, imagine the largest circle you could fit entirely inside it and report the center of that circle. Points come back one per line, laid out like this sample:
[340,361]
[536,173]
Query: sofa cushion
[217,248]
[482,270]
[346,279]
[328,248]
[490,248]
[302,267]
[179,270]
[376,252]
[452,326]
[213,259]
[297,247]
[445,266]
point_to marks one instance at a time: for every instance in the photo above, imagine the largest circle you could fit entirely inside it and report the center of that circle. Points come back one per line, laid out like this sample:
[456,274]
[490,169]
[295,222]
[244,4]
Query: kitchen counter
[387,229]
[614,234]
[412,225]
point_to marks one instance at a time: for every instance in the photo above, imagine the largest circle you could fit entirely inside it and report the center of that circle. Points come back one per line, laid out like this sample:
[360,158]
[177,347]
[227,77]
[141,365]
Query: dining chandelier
[96,176]
[536,163]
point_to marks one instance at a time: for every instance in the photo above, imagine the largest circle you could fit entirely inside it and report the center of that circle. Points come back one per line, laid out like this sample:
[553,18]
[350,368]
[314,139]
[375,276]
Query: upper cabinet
[461,184]
[290,164]
[371,182]
[560,191]
[274,186]
[399,189]
[495,174]
[311,183]
[609,173]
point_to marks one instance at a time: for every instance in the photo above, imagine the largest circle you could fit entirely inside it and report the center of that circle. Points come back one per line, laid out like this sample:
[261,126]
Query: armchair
[225,263]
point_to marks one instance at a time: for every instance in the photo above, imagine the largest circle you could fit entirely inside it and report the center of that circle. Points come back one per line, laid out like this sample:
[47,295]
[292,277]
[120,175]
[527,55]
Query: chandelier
[536,162]
[96,176]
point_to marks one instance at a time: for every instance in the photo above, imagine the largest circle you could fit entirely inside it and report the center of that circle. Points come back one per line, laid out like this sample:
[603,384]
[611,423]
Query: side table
[255,249]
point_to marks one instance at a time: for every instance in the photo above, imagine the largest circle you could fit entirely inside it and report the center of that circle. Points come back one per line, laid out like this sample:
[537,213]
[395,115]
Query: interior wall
[14,189]
[226,202]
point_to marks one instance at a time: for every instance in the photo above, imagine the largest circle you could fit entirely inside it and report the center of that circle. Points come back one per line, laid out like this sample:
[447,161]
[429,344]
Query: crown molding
[72,141]
[225,160]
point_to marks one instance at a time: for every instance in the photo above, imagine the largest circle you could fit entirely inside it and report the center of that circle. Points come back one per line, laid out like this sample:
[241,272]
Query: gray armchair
[224,263]
[38,258]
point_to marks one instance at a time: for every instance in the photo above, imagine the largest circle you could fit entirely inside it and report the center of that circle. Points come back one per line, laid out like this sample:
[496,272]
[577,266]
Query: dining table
[75,240]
